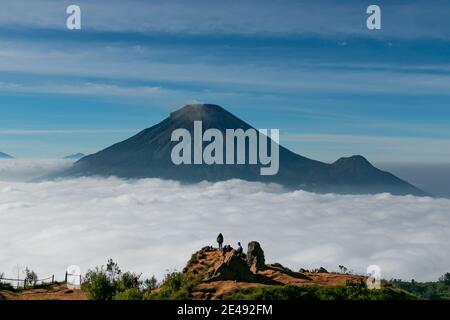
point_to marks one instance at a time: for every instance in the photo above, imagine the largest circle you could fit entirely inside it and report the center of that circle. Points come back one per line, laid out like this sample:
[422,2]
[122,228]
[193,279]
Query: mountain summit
[75,156]
[5,156]
[148,155]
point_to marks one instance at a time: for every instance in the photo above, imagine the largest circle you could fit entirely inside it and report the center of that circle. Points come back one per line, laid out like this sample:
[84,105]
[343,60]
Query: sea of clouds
[29,169]
[152,225]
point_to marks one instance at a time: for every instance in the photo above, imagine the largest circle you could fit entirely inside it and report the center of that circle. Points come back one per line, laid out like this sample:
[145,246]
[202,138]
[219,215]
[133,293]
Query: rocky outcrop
[255,257]
[232,268]
[278,267]
[196,258]
[322,270]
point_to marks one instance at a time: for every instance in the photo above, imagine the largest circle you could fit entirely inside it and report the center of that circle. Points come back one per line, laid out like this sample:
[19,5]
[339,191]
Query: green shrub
[150,284]
[129,294]
[175,286]
[352,291]
[6,286]
[439,290]
[98,285]
[107,283]
[128,280]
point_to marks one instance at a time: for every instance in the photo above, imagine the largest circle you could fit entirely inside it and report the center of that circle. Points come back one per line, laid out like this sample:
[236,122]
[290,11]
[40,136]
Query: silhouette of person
[239,250]
[220,240]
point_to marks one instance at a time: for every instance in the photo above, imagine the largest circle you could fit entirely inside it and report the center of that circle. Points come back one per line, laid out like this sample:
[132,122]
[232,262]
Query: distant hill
[5,156]
[75,156]
[148,155]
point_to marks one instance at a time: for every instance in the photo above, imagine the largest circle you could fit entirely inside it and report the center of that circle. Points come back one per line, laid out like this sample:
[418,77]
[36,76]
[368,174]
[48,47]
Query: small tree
[151,284]
[98,285]
[110,283]
[129,280]
[113,270]
[343,269]
[445,278]
[31,277]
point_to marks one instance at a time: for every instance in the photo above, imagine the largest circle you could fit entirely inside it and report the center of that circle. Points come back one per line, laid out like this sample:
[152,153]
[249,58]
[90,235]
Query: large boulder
[322,270]
[232,268]
[255,257]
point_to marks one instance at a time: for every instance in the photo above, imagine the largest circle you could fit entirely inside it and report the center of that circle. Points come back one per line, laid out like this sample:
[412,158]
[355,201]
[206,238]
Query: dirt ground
[52,292]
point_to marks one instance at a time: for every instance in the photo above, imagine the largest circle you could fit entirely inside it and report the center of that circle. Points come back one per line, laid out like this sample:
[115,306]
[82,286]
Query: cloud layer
[26,169]
[152,225]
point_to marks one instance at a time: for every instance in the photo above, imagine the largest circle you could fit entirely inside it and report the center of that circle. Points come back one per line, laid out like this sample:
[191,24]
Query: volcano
[5,156]
[148,155]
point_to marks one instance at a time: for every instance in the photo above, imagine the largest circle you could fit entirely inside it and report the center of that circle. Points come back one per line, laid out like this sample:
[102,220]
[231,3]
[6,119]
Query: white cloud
[26,170]
[87,88]
[152,225]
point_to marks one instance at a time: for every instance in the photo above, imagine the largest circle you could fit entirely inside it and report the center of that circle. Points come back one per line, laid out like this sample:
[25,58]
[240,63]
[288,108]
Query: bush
[6,286]
[98,285]
[439,290]
[445,279]
[352,291]
[129,280]
[129,294]
[150,284]
[175,286]
[108,283]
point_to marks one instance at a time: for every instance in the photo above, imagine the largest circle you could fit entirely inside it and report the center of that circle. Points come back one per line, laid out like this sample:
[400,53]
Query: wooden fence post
[53,279]
[65,279]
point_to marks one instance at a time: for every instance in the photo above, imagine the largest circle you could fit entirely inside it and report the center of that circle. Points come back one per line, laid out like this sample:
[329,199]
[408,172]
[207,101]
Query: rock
[232,268]
[255,257]
[197,256]
[302,270]
[277,266]
[322,270]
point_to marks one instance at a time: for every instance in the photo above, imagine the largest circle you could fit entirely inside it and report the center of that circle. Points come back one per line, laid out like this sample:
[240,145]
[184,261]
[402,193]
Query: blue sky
[309,68]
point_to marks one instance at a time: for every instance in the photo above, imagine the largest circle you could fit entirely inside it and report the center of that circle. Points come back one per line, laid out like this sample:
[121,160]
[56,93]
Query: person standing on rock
[239,250]
[220,240]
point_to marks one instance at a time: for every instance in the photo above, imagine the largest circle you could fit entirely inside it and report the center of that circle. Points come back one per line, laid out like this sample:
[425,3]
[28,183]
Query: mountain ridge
[75,156]
[5,156]
[147,155]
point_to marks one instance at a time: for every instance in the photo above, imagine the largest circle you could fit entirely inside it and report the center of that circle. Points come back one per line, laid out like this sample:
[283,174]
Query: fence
[73,275]
[24,283]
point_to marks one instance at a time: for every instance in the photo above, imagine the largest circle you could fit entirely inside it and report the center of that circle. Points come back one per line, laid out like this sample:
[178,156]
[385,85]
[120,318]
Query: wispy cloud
[88,88]
[167,77]
[286,17]
[376,148]
[26,132]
